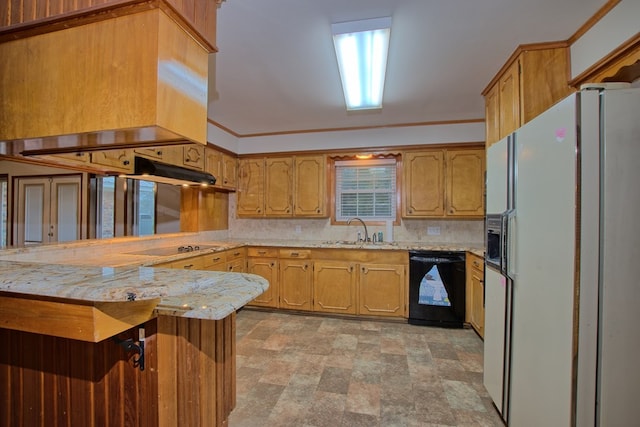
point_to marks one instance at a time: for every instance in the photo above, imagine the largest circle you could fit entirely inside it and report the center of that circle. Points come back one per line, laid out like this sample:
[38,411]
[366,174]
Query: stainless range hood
[149,170]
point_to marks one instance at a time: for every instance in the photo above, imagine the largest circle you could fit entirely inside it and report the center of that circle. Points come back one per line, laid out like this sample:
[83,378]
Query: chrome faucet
[366,233]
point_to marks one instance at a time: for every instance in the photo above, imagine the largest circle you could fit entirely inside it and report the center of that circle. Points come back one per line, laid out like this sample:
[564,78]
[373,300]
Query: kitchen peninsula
[118,344]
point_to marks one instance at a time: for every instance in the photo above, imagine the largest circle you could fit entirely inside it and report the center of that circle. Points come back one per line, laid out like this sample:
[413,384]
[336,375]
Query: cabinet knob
[126,162]
[159,152]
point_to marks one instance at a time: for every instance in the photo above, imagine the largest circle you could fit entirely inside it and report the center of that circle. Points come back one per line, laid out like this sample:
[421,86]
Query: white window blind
[366,189]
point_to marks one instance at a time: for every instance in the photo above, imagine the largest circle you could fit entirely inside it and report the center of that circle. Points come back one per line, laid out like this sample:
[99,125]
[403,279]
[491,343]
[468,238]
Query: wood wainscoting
[189,377]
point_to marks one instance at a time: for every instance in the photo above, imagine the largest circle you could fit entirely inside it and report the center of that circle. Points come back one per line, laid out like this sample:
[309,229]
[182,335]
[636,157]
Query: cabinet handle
[236,253]
[159,152]
[305,267]
[217,259]
[262,252]
[230,268]
[295,254]
[476,264]
[188,266]
[317,210]
[273,264]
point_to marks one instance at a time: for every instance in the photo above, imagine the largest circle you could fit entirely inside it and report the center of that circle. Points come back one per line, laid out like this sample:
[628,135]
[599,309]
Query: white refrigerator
[561,344]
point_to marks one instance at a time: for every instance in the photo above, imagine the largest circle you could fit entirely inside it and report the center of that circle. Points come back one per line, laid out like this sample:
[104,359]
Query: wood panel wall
[49,381]
[189,377]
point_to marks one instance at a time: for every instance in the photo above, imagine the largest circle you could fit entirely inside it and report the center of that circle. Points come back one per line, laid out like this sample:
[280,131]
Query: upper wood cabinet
[117,160]
[309,186]
[169,154]
[534,78]
[250,189]
[424,183]
[278,189]
[464,182]
[443,183]
[293,186]
[193,156]
[223,167]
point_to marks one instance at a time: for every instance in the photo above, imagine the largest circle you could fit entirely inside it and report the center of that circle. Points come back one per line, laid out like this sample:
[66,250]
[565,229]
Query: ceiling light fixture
[361,50]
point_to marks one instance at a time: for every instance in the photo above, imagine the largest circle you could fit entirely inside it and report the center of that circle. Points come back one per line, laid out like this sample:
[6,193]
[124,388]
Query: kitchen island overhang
[61,326]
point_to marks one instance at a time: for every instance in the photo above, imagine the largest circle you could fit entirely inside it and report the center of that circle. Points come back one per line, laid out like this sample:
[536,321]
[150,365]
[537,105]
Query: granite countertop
[120,269]
[195,294]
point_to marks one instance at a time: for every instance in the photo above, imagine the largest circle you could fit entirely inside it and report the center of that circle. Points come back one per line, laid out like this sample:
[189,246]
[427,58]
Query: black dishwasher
[437,288]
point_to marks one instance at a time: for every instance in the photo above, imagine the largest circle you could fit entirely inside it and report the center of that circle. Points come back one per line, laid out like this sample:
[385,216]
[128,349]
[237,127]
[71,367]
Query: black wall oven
[437,288]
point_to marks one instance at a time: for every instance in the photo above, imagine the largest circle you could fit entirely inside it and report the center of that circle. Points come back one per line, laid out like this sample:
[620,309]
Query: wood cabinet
[223,167]
[116,160]
[169,154]
[310,186]
[444,183]
[531,81]
[236,260]
[250,187]
[296,278]
[424,183]
[278,186]
[382,290]
[464,183]
[293,186]
[334,286]
[193,156]
[475,292]
[264,262]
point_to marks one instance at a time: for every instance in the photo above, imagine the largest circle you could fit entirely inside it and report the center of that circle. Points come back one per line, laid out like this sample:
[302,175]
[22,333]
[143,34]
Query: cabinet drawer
[214,258]
[194,263]
[237,253]
[477,264]
[295,253]
[262,252]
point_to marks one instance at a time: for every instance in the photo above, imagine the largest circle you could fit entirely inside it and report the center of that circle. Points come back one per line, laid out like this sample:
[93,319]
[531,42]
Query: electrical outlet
[433,231]
[298,229]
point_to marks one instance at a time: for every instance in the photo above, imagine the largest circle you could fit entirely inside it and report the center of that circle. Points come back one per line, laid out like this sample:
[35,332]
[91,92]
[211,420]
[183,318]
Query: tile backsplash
[410,230]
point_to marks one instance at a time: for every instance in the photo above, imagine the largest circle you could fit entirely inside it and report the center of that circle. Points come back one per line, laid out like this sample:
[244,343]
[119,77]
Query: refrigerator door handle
[509,243]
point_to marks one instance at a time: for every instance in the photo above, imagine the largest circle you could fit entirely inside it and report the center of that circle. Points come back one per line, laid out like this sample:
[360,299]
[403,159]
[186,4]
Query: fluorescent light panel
[361,49]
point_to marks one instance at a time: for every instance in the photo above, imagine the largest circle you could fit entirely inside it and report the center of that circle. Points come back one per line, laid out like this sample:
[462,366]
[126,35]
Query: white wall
[365,138]
[618,26]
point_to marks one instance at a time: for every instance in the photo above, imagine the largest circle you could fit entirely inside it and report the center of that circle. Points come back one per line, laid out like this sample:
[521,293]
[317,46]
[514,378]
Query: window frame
[332,185]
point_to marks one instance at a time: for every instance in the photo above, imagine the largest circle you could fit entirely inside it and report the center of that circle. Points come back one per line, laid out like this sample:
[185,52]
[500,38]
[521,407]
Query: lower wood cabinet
[475,292]
[334,287]
[296,276]
[345,281]
[382,290]
[264,262]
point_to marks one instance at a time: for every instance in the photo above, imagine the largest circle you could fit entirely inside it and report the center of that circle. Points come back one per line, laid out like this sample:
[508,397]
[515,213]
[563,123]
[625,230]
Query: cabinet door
[295,284]
[382,290]
[267,268]
[492,115]
[120,160]
[229,171]
[465,183]
[424,184]
[251,187]
[235,266]
[193,157]
[278,194]
[213,164]
[309,188]
[509,97]
[477,310]
[334,287]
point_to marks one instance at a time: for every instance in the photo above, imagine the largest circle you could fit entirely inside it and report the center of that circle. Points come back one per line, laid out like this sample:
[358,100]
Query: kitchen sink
[342,242]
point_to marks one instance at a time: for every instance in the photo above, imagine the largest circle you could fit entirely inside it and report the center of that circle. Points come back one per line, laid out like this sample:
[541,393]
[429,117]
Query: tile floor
[298,370]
